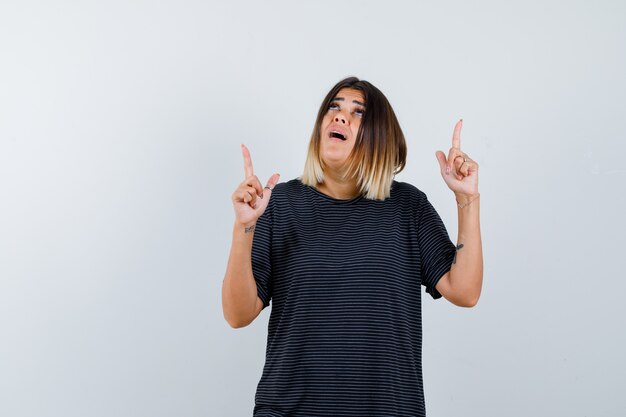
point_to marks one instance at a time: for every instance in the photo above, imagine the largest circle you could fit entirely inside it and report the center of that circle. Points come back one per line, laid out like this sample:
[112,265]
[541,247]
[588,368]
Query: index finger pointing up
[456,136]
[247,161]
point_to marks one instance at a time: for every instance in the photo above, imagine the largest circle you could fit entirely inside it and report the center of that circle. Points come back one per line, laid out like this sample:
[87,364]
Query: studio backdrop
[120,132]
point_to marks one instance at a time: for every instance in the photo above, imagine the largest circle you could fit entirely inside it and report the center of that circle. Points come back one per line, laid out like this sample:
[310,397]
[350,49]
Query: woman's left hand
[459,171]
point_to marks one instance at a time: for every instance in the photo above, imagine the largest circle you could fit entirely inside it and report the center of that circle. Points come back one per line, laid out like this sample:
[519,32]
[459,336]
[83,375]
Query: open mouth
[338,135]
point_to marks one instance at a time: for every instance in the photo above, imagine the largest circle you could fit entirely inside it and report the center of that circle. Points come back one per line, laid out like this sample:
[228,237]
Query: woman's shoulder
[289,187]
[287,190]
[406,190]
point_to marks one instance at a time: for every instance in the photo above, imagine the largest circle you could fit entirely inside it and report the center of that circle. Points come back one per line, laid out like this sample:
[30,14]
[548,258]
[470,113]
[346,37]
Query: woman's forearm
[466,274]
[239,290]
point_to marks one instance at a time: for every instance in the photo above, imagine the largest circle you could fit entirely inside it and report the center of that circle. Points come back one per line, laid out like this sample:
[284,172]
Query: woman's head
[357,135]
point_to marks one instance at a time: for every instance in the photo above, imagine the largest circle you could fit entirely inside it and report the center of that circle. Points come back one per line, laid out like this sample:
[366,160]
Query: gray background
[120,126]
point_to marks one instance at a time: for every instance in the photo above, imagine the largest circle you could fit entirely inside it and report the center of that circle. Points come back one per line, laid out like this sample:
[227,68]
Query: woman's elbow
[471,302]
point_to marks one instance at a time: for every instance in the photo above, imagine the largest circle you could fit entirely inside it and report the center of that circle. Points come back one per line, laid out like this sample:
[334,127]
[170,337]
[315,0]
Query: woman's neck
[337,188]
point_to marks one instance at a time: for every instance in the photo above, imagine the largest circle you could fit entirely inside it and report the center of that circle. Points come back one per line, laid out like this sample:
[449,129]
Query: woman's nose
[340,119]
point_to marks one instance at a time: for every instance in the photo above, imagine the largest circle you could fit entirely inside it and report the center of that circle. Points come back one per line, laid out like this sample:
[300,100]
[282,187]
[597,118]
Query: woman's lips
[337,135]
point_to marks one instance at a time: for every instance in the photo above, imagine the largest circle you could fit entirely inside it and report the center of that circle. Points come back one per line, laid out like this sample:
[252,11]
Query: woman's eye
[333,106]
[359,112]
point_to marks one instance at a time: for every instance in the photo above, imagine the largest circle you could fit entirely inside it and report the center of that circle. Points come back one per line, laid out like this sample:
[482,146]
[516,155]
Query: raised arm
[240,302]
[462,285]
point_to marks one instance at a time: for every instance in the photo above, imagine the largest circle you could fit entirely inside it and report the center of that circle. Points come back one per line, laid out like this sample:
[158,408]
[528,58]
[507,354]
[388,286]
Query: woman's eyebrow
[354,101]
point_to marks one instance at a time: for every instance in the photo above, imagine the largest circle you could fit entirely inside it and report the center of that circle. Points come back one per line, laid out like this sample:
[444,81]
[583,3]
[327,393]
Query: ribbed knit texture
[344,278]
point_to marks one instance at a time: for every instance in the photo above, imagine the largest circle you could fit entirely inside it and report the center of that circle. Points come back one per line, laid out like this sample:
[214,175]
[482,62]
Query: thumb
[271,183]
[441,158]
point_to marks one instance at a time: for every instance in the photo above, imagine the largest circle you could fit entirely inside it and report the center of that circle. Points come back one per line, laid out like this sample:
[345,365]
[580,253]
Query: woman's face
[340,126]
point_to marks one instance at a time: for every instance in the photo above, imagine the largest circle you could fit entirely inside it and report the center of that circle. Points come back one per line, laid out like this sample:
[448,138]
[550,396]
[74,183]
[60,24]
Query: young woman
[342,252]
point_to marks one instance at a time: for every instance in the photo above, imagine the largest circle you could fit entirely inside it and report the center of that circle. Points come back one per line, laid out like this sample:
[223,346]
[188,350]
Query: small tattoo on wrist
[459,246]
[249,229]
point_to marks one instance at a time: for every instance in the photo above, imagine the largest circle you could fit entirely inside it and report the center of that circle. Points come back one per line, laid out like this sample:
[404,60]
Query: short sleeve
[261,254]
[436,248]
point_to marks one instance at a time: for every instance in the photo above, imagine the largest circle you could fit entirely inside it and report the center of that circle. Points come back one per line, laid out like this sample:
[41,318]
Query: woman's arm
[463,284]
[240,301]
[466,274]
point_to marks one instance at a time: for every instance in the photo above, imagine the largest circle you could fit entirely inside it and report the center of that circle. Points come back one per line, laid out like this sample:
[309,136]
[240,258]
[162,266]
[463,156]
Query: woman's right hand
[250,198]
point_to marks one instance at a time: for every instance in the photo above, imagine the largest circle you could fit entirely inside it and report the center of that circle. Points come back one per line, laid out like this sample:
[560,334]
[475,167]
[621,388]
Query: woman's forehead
[349,94]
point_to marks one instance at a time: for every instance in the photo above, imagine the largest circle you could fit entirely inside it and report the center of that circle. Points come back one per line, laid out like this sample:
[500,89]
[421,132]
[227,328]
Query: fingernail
[261,195]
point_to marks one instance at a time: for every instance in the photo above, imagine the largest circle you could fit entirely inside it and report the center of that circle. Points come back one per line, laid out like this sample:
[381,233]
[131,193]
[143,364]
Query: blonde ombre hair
[379,152]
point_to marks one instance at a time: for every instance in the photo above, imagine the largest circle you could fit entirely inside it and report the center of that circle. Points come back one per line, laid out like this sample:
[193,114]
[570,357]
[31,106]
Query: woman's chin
[335,164]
